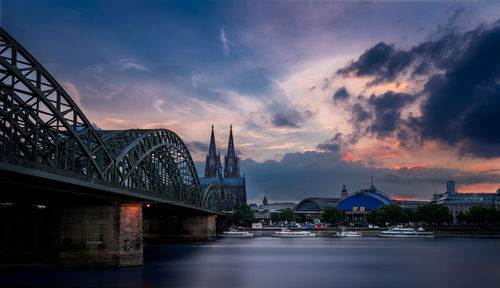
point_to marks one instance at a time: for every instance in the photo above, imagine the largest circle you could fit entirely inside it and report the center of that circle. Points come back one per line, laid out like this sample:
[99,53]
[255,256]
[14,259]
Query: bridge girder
[211,196]
[159,153]
[40,123]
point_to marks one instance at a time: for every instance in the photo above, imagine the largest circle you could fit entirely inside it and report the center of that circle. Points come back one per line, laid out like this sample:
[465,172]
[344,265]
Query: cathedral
[231,185]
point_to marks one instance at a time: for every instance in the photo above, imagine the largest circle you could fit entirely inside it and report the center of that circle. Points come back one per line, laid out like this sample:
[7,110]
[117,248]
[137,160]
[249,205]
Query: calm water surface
[274,262]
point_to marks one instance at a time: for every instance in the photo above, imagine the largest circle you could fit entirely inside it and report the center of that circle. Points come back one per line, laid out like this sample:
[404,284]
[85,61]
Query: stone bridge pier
[108,235]
[102,234]
[71,234]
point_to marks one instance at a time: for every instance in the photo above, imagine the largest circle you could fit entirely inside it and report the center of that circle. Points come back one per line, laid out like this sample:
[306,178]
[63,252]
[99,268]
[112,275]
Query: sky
[319,93]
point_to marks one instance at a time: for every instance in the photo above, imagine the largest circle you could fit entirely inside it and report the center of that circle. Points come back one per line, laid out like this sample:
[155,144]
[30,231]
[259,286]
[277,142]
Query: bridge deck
[55,184]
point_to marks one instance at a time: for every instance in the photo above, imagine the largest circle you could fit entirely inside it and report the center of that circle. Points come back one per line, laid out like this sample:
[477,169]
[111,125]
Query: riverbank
[439,232]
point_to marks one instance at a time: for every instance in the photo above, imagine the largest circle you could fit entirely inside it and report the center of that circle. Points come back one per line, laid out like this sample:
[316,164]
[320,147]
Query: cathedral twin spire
[213,167]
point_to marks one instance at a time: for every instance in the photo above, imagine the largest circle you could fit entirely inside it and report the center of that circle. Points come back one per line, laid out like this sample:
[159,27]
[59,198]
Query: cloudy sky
[319,94]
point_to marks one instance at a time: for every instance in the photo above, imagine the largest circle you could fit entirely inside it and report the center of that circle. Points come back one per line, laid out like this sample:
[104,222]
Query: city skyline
[319,94]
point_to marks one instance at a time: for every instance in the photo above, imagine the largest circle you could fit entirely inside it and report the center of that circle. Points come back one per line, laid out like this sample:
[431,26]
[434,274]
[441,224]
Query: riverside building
[461,202]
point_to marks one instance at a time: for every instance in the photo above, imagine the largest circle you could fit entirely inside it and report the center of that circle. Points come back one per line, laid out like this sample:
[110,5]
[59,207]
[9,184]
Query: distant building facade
[461,202]
[411,204]
[231,184]
[355,206]
[313,207]
[263,212]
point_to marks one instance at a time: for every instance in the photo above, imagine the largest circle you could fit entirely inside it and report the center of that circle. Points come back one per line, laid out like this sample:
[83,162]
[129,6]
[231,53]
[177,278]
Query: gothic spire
[212,151]
[231,166]
[212,165]
[230,145]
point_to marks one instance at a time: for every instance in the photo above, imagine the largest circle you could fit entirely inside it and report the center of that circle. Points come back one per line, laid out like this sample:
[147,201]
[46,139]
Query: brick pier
[105,235]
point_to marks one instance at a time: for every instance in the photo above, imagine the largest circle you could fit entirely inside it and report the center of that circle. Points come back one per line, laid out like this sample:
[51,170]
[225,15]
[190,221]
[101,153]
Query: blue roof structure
[370,199]
[234,181]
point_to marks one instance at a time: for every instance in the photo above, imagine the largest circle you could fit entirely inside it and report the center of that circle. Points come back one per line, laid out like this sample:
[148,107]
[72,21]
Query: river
[273,262]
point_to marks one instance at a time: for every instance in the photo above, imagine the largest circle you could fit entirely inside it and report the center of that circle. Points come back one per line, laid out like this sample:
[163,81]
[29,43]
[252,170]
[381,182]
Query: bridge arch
[40,122]
[211,196]
[156,161]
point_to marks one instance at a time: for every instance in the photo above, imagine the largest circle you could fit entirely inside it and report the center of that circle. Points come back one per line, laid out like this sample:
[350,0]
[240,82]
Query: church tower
[213,166]
[231,186]
[231,165]
[344,194]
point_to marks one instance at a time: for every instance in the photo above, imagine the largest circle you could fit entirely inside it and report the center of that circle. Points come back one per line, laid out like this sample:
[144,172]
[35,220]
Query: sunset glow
[359,94]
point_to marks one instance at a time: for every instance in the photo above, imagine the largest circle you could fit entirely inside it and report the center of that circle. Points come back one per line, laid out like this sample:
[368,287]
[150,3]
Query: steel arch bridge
[41,124]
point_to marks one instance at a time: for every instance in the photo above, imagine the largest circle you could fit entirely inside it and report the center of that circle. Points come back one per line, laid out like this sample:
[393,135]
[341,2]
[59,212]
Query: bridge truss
[41,124]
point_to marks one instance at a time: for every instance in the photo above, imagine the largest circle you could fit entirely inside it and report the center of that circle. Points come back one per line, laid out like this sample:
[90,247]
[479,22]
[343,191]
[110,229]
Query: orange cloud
[396,87]
[386,155]
[409,166]
[347,157]
[480,187]
[483,167]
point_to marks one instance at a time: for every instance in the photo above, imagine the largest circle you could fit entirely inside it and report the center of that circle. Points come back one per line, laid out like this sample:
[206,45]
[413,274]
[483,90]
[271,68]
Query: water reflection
[274,262]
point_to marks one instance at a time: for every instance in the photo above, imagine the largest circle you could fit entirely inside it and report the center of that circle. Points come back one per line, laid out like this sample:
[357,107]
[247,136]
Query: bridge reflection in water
[70,191]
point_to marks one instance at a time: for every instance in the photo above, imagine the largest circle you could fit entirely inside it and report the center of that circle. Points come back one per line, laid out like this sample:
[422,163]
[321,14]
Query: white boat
[285,233]
[236,234]
[348,234]
[399,232]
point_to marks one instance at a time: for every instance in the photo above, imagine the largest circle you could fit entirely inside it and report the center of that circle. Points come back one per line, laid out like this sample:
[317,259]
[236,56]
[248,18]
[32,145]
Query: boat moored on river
[236,234]
[286,233]
[344,233]
[399,232]
[348,234]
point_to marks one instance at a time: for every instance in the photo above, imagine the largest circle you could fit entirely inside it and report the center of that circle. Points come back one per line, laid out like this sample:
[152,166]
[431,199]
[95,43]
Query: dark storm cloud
[341,94]
[359,114]
[291,118]
[301,175]
[462,102]
[387,110]
[383,61]
[287,120]
[197,146]
[386,62]
[332,145]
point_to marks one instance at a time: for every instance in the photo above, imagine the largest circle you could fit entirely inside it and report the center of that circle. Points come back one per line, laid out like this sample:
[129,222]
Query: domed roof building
[370,199]
[357,205]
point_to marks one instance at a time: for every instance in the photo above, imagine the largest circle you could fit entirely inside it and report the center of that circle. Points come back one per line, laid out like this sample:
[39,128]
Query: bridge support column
[129,243]
[199,227]
[103,235]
